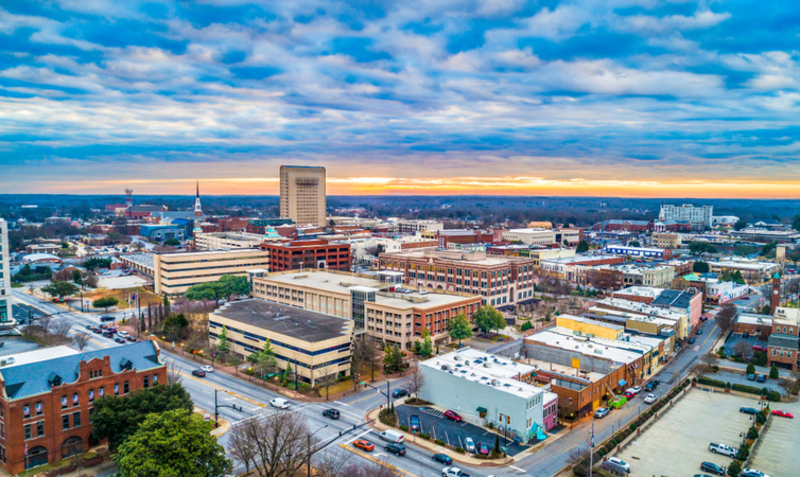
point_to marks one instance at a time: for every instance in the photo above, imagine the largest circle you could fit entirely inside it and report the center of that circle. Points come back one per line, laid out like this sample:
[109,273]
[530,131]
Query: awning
[482,409]
[622,383]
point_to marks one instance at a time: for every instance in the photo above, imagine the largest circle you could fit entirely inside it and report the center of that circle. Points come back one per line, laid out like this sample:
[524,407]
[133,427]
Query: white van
[280,403]
[392,436]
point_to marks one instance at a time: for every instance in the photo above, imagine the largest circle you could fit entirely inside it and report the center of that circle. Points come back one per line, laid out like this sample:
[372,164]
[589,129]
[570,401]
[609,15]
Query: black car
[199,373]
[652,385]
[398,393]
[120,339]
[331,413]
[441,458]
[762,378]
[748,410]
[106,318]
[713,468]
[396,449]
[691,340]
[699,332]
[108,334]
[90,327]
[131,338]
[97,330]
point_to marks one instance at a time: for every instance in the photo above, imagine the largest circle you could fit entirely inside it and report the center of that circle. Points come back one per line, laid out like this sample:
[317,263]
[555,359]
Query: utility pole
[295,375]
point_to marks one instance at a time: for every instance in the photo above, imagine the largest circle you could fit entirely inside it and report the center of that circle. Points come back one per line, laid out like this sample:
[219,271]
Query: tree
[744,350]
[172,443]
[700,267]
[263,361]
[701,248]
[174,326]
[280,441]
[117,418]
[726,317]
[526,326]
[96,262]
[583,246]
[794,256]
[105,302]
[773,372]
[488,319]
[223,343]
[233,285]
[707,365]
[634,243]
[336,464]
[393,359]
[172,242]
[460,329]
[241,448]
[768,248]
[744,250]
[750,368]
[790,384]
[740,224]
[80,340]
[415,382]
[425,347]
[203,291]
[76,277]
[60,289]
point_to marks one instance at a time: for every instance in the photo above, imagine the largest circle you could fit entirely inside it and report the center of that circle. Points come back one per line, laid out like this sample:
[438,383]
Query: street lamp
[308,462]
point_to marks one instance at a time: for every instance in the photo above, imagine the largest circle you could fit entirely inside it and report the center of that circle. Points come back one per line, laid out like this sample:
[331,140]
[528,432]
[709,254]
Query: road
[254,400]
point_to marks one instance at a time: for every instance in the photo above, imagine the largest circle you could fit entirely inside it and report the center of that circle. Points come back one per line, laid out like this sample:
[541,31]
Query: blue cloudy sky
[606,97]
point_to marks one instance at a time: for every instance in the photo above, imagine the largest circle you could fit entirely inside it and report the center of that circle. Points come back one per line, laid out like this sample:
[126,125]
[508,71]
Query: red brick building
[47,397]
[310,254]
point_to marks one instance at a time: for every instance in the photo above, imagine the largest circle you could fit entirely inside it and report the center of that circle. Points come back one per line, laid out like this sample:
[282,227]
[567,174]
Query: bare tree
[43,323]
[743,349]
[325,378]
[336,464]
[60,327]
[80,340]
[377,469]
[707,365]
[280,441]
[173,374]
[790,384]
[415,382]
[726,317]
[241,448]
[578,454]
[371,357]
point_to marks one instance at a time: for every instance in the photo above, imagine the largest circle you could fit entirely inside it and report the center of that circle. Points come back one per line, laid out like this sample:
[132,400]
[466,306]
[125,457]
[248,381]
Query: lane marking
[220,388]
[365,397]
[517,468]
[389,466]
[341,403]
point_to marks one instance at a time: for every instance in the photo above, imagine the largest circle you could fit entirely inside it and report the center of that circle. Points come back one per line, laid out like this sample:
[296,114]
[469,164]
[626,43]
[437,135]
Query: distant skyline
[629,98]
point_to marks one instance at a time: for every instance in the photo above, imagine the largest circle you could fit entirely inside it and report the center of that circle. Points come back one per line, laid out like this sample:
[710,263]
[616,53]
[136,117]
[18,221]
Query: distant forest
[484,210]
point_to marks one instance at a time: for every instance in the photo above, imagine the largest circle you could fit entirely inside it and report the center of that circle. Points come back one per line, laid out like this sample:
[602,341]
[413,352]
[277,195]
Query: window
[26,411]
[116,389]
[65,422]
[75,400]
[64,402]
[28,434]
[146,382]
[91,395]
[125,387]
[155,379]
[76,419]
[40,428]
[102,392]
[39,409]
[774,352]
[2,430]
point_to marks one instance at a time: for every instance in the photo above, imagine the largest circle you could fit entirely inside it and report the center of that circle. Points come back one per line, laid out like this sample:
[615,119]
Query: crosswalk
[432,412]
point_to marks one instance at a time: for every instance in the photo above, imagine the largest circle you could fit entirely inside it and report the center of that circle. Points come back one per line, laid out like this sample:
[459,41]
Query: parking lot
[735,338]
[433,423]
[736,378]
[678,442]
[777,455]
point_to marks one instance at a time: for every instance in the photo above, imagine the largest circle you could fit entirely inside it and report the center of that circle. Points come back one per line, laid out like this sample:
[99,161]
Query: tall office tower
[6,318]
[303,194]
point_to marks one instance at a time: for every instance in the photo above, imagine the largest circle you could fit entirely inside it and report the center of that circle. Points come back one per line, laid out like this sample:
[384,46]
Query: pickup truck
[453,472]
[723,449]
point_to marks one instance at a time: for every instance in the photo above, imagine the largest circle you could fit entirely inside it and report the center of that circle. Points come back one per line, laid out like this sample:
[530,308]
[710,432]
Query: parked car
[398,393]
[120,339]
[748,410]
[601,412]
[650,398]
[698,332]
[620,463]
[751,377]
[97,330]
[111,329]
[470,445]
[780,413]
[103,327]
[123,333]
[452,415]
[199,373]
[652,385]
[483,449]
[414,423]
[713,468]
[331,413]
[761,378]
[397,449]
[90,327]
[364,445]
[207,369]
[106,318]
[280,403]
[723,449]
[453,472]
[108,334]
[691,340]
[629,394]
[443,459]
[752,473]
[759,348]
[637,389]
[131,338]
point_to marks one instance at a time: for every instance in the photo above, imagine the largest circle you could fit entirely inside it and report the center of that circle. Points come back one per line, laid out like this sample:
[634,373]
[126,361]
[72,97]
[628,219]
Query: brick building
[309,254]
[47,396]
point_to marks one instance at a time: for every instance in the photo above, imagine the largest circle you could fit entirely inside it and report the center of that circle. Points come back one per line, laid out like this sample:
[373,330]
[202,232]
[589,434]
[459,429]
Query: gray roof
[676,298]
[781,340]
[302,324]
[34,378]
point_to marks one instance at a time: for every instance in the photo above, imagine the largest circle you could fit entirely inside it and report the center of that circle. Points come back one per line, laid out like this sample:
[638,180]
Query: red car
[452,416]
[759,348]
[629,394]
[782,414]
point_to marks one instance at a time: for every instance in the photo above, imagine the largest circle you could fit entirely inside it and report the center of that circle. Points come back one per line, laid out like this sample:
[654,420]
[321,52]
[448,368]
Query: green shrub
[711,382]
[738,359]
[750,369]
[438,442]
[601,452]
[403,428]
[735,468]
[633,427]
[761,417]
[752,433]
[460,450]
[609,447]
[613,442]
[774,396]
[490,425]
[743,453]
[746,389]
[425,436]
[773,372]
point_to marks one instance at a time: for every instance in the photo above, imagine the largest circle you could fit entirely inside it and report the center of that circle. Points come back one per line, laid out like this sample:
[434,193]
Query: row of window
[255,337]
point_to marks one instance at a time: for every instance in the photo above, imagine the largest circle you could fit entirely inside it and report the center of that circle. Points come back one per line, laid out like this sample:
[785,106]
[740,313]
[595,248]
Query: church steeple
[198,209]
[198,190]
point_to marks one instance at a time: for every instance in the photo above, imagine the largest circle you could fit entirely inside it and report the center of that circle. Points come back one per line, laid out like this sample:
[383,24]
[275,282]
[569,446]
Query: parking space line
[389,466]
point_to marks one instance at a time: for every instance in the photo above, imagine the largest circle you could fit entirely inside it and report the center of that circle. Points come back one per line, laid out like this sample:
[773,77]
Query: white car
[753,473]
[207,368]
[650,398]
[453,472]
[630,391]
[637,389]
[280,403]
[122,333]
[470,444]
[621,463]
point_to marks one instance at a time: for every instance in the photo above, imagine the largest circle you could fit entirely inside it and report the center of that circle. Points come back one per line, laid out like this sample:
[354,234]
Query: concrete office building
[47,398]
[223,240]
[317,345]
[175,272]
[499,280]
[699,217]
[531,236]
[414,226]
[485,388]
[303,197]
[378,307]
[6,317]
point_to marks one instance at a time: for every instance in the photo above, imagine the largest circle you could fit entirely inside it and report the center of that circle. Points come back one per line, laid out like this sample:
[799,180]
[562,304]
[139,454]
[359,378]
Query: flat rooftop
[36,355]
[640,308]
[144,259]
[645,292]
[579,259]
[583,346]
[545,366]
[302,324]
[590,321]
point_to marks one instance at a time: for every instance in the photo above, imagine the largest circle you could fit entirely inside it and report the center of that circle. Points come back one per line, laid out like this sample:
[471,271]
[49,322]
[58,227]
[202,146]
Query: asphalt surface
[416,463]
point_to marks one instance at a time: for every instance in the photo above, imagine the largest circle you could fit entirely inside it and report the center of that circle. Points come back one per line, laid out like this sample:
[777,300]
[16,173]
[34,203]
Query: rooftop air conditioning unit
[457,358]
[487,365]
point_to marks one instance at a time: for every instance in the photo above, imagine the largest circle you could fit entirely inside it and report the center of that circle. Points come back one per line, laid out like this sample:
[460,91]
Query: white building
[484,388]
[227,240]
[699,217]
[414,226]
[535,236]
[724,220]
[6,317]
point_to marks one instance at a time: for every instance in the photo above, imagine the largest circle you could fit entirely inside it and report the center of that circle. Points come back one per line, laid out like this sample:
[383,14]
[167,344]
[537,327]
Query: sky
[633,98]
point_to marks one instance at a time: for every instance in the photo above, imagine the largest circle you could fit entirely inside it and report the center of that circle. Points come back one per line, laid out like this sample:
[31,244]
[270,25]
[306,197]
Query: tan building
[382,310]
[175,272]
[303,194]
[530,236]
[665,240]
[223,240]
[587,327]
[314,344]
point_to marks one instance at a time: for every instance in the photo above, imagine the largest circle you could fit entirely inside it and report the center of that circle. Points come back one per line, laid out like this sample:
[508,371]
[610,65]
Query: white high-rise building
[6,318]
[303,194]
[699,217]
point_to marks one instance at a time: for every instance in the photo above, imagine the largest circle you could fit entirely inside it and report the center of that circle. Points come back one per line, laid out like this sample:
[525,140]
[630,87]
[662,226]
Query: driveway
[432,422]
[736,378]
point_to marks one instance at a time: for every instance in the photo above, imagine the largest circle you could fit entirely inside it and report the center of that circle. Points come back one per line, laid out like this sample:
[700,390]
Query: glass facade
[358,298]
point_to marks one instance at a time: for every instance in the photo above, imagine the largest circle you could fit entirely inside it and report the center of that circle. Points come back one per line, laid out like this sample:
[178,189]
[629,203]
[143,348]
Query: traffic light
[271,375]
[362,383]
